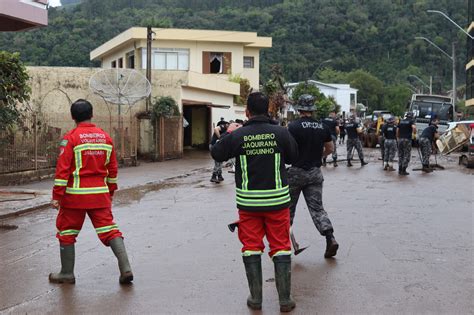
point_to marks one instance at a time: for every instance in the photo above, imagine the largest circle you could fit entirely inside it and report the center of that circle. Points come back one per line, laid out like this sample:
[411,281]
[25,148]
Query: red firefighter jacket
[86,171]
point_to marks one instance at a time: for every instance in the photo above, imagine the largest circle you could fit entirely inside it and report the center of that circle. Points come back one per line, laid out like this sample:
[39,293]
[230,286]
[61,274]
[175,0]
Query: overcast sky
[54,3]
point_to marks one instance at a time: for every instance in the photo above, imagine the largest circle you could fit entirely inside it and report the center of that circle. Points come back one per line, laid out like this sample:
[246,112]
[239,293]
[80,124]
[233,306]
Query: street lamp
[423,82]
[319,66]
[453,59]
[447,17]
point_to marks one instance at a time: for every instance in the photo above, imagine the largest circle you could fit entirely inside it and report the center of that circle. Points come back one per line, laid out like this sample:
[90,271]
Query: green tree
[14,88]
[370,87]
[396,98]
[164,106]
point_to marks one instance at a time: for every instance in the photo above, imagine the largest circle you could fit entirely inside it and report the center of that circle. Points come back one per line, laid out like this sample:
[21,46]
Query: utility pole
[431,84]
[454,78]
[148,62]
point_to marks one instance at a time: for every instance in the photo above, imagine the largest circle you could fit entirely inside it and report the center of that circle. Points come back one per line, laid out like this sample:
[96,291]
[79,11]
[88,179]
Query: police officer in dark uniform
[389,134]
[353,129]
[406,130]
[218,132]
[427,138]
[333,125]
[314,142]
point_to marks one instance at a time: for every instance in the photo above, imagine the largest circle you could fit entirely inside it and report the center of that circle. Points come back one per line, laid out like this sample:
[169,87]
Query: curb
[45,205]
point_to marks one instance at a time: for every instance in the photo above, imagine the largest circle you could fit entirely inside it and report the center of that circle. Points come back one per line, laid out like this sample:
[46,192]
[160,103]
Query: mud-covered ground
[406,246]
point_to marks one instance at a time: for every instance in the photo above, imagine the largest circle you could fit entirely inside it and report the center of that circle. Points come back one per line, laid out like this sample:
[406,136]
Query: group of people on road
[267,192]
[400,138]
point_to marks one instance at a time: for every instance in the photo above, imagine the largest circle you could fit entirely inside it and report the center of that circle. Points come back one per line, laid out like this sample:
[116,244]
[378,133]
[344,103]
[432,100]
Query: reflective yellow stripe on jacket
[76,188]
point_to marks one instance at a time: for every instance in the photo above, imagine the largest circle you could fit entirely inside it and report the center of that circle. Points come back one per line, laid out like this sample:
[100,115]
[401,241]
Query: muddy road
[406,246]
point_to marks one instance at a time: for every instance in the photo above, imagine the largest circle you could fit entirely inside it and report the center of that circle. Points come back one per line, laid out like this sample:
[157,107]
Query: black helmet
[306,103]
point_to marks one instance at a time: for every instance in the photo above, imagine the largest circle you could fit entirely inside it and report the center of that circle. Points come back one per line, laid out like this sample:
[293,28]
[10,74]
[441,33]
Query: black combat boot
[405,171]
[118,247]
[335,163]
[220,178]
[385,168]
[214,178]
[390,168]
[253,269]
[283,282]
[324,162]
[331,245]
[349,164]
[400,170]
[66,275]
[426,169]
[362,162]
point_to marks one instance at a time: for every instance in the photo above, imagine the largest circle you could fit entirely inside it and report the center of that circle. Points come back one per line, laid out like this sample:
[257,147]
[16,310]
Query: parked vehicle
[372,125]
[426,107]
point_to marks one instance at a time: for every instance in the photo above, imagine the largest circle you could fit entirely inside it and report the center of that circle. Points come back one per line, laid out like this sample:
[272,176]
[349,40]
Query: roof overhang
[16,15]
[247,39]
[207,104]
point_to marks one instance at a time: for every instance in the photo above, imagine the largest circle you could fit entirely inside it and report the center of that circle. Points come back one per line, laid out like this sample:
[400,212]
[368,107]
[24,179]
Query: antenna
[120,87]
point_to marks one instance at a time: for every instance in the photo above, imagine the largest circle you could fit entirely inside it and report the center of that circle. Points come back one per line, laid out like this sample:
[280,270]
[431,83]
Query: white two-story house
[192,66]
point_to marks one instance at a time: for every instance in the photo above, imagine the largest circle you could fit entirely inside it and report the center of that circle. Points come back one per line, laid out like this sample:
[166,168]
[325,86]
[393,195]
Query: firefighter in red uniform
[85,181]
[261,149]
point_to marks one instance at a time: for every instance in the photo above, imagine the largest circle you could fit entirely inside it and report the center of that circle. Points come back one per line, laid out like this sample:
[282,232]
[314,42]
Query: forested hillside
[374,35]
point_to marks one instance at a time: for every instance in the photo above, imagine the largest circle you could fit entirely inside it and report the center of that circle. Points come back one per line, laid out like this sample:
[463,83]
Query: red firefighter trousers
[275,225]
[69,223]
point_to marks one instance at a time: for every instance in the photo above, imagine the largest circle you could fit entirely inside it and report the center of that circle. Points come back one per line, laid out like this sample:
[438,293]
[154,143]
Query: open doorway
[196,134]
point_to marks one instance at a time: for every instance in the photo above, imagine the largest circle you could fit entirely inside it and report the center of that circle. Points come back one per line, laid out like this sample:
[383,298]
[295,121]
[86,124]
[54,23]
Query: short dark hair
[257,103]
[81,110]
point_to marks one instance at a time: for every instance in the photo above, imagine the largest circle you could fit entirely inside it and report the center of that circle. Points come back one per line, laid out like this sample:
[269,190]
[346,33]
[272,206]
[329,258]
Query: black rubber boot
[66,275]
[331,245]
[214,178]
[253,269]
[349,164]
[118,247]
[283,282]
[362,162]
[426,169]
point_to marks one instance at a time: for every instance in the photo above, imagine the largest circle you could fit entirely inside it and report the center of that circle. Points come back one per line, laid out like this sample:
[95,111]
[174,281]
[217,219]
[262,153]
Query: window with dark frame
[249,62]
[113,64]
[216,62]
[131,60]
[120,63]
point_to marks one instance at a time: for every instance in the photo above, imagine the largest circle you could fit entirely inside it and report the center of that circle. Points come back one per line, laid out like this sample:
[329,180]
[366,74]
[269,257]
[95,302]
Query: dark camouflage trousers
[404,152]
[351,144]
[334,153]
[310,182]
[217,165]
[390,149]
[425,148]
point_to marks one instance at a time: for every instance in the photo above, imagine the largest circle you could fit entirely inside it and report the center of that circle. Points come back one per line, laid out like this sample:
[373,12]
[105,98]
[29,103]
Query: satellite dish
[120,86]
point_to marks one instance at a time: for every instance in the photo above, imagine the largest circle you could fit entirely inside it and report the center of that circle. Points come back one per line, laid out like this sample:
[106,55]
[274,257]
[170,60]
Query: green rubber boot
[66,275]
[118,247]
[283,282]
[253,269]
